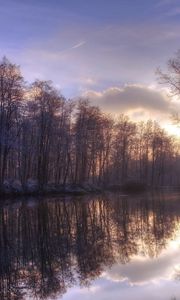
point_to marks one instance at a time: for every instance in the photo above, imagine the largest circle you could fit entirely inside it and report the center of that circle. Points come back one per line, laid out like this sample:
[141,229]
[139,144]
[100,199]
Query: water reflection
[50,245]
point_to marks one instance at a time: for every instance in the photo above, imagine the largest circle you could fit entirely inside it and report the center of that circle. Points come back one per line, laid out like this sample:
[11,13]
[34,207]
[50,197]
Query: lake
[108,246]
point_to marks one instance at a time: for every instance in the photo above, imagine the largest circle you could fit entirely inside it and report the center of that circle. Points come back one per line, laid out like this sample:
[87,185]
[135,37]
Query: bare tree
[11,94]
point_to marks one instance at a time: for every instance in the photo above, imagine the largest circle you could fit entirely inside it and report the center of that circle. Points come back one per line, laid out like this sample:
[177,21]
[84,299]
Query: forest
[48,141]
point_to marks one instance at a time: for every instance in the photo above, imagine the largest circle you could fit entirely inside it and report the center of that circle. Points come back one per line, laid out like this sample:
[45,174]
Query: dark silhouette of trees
[11,95]
[172,77]
[48,141]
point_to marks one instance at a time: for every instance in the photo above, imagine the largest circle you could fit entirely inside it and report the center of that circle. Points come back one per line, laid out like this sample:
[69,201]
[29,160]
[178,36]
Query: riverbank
[14,188]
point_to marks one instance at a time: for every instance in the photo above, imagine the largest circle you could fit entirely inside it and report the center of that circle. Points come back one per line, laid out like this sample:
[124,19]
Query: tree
[172,78]
[125,131]
[47,138]
[11,95]
[47,102]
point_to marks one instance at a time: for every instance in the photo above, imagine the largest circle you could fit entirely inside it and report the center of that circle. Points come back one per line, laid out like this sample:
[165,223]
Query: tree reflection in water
[48,245]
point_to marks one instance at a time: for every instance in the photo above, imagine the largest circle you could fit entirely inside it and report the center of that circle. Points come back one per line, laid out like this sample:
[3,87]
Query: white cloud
[111,55]
[134,98]
[139,102]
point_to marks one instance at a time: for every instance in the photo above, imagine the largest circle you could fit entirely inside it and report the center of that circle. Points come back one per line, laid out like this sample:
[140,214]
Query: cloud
[136,98]
[61,43]
[139,102]
[110,54]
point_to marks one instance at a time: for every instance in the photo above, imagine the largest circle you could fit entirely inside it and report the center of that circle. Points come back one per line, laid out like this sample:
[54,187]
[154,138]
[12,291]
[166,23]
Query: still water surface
[104,247]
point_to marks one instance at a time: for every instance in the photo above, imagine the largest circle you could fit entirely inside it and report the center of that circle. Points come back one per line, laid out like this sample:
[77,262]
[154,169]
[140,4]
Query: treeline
[51,140]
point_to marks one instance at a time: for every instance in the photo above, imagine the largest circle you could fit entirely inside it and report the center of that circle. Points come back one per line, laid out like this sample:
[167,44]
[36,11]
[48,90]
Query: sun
[172,129]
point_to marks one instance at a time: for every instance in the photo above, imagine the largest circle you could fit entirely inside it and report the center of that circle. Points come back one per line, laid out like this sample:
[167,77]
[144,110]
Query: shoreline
[79,190]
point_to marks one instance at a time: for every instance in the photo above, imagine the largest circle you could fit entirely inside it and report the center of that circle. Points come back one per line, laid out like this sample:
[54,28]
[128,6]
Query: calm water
[103,247]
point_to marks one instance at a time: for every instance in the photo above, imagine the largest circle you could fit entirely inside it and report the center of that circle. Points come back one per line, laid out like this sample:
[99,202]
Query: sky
[105,50]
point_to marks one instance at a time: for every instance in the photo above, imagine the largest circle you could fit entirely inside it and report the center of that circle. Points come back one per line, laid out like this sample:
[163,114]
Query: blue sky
[92,45]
